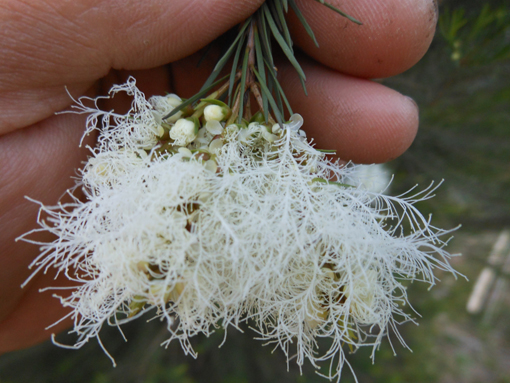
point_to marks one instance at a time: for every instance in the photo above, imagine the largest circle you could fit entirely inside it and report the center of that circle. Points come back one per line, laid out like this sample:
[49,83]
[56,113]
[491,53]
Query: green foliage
[477,40]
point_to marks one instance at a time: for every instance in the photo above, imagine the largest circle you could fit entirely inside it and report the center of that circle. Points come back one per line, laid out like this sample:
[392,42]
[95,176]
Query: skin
[87,45]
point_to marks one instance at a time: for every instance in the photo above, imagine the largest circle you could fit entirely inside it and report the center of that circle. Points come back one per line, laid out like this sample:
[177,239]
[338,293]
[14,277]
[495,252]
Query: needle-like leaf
[234,69]
[283,23]
[339,12]
[224,59]
[277,113]
[279,87]
[303,21]
[281,41]
[285,5]
[265,39]
[244,72]
[261,69]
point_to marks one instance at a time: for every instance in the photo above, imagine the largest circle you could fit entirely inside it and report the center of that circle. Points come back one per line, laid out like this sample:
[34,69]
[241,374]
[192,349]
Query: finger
[35,312]
[395,34]
[364,121]
[38,161]
[45,45]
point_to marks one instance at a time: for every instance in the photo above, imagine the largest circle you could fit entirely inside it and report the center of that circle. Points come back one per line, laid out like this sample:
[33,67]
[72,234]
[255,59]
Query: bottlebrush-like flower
[245,223]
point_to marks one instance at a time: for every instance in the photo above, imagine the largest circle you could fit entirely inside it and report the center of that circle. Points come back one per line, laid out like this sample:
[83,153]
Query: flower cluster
[215,224]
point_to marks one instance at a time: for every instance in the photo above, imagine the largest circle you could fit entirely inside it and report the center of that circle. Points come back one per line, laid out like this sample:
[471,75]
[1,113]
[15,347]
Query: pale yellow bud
[215,113]
[183,132]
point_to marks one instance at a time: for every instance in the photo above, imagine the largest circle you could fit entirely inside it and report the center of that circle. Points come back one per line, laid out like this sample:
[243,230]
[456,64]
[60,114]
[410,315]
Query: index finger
[394,36]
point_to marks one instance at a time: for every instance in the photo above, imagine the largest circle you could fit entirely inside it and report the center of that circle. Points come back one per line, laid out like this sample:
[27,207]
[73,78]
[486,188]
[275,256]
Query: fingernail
[414,102]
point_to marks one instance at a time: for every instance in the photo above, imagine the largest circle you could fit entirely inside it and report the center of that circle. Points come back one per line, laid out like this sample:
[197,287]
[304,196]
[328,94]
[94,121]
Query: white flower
[249,228]
[183,132]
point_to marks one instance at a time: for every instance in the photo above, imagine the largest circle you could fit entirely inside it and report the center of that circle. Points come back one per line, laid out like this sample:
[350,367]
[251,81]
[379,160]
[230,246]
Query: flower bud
[160,131]
[163,106]
[183,132]
[216,113]
[258,117]
[172,102]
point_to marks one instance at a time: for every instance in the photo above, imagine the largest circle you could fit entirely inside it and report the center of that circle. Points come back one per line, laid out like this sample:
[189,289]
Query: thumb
[48,44]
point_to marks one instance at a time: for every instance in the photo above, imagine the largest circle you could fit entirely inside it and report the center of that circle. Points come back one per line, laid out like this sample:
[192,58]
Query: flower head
[236,224]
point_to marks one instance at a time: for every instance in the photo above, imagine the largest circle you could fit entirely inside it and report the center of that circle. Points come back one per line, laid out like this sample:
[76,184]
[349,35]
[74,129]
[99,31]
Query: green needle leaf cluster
[253,74]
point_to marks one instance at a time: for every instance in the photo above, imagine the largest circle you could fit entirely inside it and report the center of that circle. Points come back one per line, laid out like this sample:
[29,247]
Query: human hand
[86,46]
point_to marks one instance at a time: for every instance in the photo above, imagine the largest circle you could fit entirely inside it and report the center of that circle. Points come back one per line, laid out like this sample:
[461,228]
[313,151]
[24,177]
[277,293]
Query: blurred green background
[462,87]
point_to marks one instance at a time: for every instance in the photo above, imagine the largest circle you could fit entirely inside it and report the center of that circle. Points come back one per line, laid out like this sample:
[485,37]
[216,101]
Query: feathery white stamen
[266,230]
